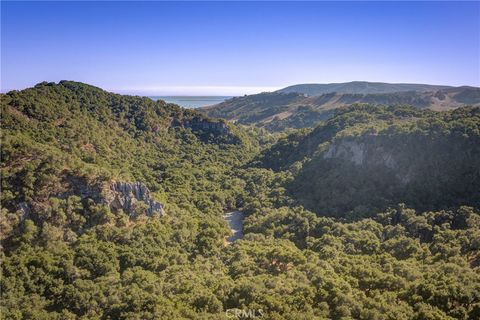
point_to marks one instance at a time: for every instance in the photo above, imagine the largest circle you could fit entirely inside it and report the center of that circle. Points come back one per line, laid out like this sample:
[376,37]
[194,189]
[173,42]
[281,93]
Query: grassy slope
[279,110]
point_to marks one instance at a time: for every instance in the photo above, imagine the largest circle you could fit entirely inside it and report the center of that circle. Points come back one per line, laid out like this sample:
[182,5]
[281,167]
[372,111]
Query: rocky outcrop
[126,195]
[200,124]
[348,150]
[24,210]
[363,152]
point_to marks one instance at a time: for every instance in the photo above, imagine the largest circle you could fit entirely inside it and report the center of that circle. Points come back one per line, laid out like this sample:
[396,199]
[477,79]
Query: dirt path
[235,222]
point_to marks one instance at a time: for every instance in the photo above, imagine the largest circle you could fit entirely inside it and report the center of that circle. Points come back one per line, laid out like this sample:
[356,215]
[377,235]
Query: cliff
[126,196]
[368,151]
[209,130]
[201,124]
[375,171]
[117,195]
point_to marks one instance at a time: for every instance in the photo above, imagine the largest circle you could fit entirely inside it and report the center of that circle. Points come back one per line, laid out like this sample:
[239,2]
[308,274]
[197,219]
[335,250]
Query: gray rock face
[25,210]
[366,152]
[116,195]
[197,124]
[125,195]
[369,152]
[349,150]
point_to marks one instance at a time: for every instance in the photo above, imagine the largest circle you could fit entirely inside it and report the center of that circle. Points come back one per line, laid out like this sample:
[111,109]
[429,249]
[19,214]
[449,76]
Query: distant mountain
[283,109]
[359,87]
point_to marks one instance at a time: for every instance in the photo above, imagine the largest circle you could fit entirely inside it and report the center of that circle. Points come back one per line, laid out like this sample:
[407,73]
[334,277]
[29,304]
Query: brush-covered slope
[284,109]
[366,158]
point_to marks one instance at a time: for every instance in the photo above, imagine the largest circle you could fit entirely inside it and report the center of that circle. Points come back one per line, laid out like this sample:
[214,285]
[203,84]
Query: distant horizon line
[177,90]
[217,91]
[196,90]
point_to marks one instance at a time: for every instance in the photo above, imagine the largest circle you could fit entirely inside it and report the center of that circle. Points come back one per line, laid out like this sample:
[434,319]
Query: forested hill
[96,185]
[112,206]
[70,138]
[366,158]
[288,108]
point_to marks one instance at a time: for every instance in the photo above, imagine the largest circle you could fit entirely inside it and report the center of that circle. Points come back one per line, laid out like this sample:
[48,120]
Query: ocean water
[192,101]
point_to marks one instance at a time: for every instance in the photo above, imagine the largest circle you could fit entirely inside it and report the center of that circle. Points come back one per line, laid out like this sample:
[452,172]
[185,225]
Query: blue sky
[232,48]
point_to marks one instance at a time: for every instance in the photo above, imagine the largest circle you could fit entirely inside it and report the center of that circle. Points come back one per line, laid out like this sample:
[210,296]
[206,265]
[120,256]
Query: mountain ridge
[314,89]
[286,108]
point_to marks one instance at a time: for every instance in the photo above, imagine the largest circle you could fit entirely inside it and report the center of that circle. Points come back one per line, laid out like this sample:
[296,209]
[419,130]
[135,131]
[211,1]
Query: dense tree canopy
[306,253]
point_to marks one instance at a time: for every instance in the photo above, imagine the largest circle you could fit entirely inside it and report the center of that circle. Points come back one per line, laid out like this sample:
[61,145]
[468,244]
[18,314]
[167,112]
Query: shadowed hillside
[366,158]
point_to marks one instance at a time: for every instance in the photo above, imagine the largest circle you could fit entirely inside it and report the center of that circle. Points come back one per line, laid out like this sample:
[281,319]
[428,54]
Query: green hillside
[112,205]
[366,158]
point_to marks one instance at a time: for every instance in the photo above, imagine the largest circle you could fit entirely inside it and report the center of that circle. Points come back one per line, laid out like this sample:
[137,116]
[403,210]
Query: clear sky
[232,48]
